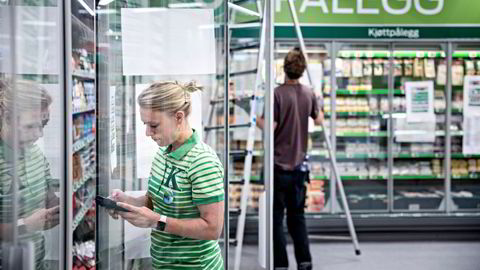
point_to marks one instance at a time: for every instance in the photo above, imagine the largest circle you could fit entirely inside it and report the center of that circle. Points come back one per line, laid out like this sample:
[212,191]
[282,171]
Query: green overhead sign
[382,12]
[375,19]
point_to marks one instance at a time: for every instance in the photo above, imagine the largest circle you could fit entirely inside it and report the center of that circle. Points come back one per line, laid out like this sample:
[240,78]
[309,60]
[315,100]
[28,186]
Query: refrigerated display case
[81,78]
[392,169]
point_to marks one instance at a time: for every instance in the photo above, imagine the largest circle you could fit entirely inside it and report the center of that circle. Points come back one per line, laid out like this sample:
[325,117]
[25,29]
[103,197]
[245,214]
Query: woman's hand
[42,219]
[141,217]
[118,196]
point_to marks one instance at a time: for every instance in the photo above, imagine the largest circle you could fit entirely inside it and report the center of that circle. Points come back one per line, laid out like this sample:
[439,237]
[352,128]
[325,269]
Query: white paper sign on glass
[420,97]
[159,41]
[471,115]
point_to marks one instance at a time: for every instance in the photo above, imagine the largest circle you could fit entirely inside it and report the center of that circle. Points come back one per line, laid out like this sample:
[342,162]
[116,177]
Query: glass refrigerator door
[465,146]
[84,148]
[419,126]
[361,104]
[32,140]
[139,43]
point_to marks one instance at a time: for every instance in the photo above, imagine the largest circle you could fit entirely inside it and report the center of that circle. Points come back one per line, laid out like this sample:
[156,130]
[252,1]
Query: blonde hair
[29,96]
[169,96]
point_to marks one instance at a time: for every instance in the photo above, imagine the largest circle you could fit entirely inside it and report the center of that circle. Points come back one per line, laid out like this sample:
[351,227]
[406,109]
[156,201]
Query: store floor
[383,256]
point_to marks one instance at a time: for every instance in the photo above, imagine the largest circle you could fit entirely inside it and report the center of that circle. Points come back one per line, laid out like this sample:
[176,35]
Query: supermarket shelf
[256,178]
[418,155]
[81,143]
[381,177]
[82,74]
[90,174]
[460,155]
[347,114]
[83,110]
[361,155]
[81,213]
[367,114]
[468,176]
[239,180]
[406,54]
[398,54]
[345,92]
[417,177]
[441,133]
[438,133]
[362,134]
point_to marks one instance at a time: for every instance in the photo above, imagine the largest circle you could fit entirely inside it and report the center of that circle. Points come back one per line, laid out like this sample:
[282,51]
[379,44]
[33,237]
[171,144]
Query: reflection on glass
[38,206]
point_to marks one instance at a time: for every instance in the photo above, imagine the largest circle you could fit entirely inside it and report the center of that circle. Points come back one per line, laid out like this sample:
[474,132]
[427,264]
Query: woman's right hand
[118,196]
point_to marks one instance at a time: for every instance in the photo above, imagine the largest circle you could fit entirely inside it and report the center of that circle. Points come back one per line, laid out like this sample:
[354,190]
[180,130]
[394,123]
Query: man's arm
[261,123]
[319,119]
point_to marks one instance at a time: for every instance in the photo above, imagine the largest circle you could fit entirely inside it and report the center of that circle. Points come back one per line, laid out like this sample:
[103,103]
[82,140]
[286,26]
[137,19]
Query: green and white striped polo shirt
[180,181]
[34,177]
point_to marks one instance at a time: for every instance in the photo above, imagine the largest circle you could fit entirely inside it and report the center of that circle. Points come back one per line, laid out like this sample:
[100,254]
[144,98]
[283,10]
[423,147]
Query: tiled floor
[381,256]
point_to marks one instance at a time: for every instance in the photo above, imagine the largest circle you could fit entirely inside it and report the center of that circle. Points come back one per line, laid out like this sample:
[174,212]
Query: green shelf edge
[345,92]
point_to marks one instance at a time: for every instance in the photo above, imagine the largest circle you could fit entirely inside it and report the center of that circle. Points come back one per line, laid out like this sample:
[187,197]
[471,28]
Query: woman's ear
[179,116]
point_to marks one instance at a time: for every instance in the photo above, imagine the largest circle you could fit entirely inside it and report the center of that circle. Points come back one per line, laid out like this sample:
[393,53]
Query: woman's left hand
[141,217]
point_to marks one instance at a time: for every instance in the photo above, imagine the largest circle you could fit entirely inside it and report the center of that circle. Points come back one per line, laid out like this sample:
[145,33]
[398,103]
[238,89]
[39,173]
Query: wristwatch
[161,223]
[22,228]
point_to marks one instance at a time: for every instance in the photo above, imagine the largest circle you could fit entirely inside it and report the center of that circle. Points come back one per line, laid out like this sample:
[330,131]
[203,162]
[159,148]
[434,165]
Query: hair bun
[192,87]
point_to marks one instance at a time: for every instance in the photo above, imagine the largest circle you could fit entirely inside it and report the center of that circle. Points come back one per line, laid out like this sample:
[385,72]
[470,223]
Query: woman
[38,208]
[184,202]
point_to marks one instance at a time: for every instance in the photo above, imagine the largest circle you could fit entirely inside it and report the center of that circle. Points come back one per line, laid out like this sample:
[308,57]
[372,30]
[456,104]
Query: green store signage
[378,19]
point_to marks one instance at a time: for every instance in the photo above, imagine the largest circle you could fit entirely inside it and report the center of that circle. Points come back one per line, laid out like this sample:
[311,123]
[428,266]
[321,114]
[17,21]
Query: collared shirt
[34,177]
[180,181]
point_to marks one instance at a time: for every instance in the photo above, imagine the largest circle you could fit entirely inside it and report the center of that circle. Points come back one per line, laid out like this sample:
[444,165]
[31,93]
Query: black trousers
[289,193]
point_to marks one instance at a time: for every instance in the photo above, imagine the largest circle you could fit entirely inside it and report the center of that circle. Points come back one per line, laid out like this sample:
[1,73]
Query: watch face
[161,226]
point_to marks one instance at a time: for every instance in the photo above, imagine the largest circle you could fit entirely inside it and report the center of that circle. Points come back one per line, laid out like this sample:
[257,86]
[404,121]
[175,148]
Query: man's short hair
[294,64]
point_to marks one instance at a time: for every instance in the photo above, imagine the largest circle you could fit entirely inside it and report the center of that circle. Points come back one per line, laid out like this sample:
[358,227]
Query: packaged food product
[339,67]
[367,67]
[357,68]
[470,67]
[418,70]
[429,68]
[408,67]
[386,67]
[378,67]
[457,73]
[398,71]
[442,73]
[347,68]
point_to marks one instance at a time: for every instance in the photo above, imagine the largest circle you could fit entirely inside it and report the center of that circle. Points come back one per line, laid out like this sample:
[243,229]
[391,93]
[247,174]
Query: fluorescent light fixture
[40,23]
[106,11]
[147,10]
[410,132]
[104,2]
[187,5]
[395,115]
[243,10]
[86,7]
[245,25]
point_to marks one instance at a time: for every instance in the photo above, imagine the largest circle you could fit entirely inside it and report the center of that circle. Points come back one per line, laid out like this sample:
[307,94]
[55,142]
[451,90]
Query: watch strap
[162,223]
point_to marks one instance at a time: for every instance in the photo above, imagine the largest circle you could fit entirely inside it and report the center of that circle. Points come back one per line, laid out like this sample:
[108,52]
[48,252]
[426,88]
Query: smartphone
[109,204]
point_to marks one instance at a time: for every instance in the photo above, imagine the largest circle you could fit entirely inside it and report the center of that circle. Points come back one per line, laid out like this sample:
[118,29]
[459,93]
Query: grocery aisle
[384,255]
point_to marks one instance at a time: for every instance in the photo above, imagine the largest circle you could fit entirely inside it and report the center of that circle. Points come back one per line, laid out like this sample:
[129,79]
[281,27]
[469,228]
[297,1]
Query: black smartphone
[109,204]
